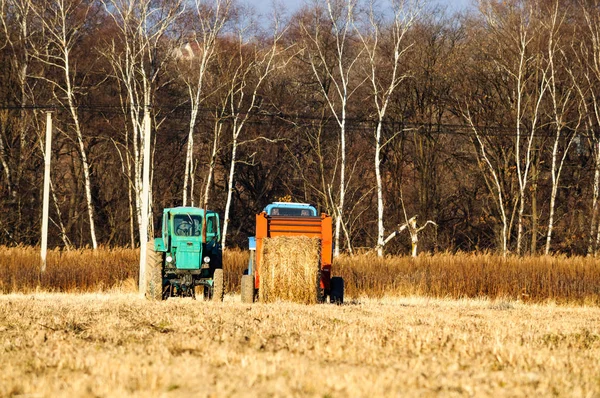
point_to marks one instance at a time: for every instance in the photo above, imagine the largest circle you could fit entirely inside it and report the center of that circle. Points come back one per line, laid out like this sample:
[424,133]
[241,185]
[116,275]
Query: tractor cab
[190,251]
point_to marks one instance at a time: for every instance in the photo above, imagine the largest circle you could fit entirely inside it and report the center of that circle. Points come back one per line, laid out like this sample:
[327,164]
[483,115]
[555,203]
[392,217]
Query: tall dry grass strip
[289,268]
[562,279]
[81,270]
[536,279]
[235,261]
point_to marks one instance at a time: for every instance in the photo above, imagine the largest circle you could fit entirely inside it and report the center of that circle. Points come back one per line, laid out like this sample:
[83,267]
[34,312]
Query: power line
[295,121]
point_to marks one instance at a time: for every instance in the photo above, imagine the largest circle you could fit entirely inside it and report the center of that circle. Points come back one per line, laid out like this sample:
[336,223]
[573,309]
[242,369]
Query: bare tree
[255,64]
[384,75]
[588,57]
[516,25]
[485,162]
[136,60]
[63,32]
[210,17]
[217,131]
[19,39]
[137,63]
[335,72]
[562,100]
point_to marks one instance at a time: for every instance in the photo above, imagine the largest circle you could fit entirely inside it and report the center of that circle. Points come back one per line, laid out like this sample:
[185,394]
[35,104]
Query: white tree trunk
[592,245]
[213,159]
[189,154]
[380,228]
[552,195]
[5,166]
[62,34]
[342,192]
[230,183]
[500,197]
[61,227]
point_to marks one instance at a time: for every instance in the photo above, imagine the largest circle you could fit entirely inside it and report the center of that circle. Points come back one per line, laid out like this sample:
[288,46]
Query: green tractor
[186,259]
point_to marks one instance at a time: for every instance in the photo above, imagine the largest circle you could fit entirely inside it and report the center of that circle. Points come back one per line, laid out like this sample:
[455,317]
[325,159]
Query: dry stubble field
[122,345]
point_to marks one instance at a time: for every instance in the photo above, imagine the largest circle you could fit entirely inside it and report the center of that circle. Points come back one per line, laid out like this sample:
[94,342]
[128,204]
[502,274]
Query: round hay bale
[289,268]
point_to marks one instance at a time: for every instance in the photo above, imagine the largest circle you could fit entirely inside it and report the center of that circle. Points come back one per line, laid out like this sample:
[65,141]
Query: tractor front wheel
[247,286]
[154,288]
[336,295]
[218,285]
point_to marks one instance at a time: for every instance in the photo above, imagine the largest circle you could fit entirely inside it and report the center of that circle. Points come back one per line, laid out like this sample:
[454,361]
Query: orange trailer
[293,219]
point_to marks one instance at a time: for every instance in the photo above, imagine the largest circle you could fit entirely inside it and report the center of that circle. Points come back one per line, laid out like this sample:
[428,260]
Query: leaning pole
[46,199]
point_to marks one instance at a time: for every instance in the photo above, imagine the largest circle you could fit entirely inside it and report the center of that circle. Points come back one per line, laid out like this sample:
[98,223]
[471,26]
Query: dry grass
[57,345]
[85,271]
[234,263]
[289,268]
[67,271]
[561,279]
[536,279]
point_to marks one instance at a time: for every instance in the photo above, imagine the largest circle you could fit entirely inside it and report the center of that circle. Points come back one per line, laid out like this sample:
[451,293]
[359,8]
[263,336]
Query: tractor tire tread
[154,282]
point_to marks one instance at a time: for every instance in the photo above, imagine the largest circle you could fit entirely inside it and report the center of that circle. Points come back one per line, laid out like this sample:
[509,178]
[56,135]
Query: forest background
[485,123]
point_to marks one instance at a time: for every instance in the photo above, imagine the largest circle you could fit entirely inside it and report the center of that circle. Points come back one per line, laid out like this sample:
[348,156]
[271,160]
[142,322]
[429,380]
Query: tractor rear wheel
[247,289]
[218,285]
[154,288]
[336,295]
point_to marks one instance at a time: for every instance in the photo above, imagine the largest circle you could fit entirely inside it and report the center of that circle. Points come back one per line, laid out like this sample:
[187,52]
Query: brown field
[558,279]
[109,345]
[531,327]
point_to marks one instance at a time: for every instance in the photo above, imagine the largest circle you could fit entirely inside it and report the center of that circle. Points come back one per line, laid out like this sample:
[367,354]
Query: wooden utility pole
[46,199]
[145,201]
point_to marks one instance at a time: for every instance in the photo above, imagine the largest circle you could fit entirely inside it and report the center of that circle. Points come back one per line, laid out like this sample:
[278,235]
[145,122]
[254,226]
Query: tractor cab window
[292,212]
[187,225]
[211,225]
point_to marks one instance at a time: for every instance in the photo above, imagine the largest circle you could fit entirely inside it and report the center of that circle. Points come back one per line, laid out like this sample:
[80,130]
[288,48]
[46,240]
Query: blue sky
[292,5]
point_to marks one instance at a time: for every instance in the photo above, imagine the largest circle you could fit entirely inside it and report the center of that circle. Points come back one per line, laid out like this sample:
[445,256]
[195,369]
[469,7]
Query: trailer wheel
[218,285]
[247,289]
[154,288]
[336,295]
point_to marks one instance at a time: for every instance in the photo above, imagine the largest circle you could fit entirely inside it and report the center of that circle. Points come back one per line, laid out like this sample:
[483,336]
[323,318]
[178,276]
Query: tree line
[472,131]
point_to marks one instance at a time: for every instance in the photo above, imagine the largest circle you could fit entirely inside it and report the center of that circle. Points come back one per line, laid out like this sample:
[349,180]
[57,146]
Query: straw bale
[289,269]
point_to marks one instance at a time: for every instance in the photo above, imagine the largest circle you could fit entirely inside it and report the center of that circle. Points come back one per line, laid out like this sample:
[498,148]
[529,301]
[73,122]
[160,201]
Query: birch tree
[384,76]
[486,164]
[335,76]
[562,100]
[588,59]
[15,19]
[137,59]
[63,22]
[517,25]
[217,132]
[254,64]
[209,19]
[137,62]
[21,34]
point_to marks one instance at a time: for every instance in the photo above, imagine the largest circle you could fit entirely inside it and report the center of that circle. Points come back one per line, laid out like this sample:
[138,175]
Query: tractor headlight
[169,259]
[207,259]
